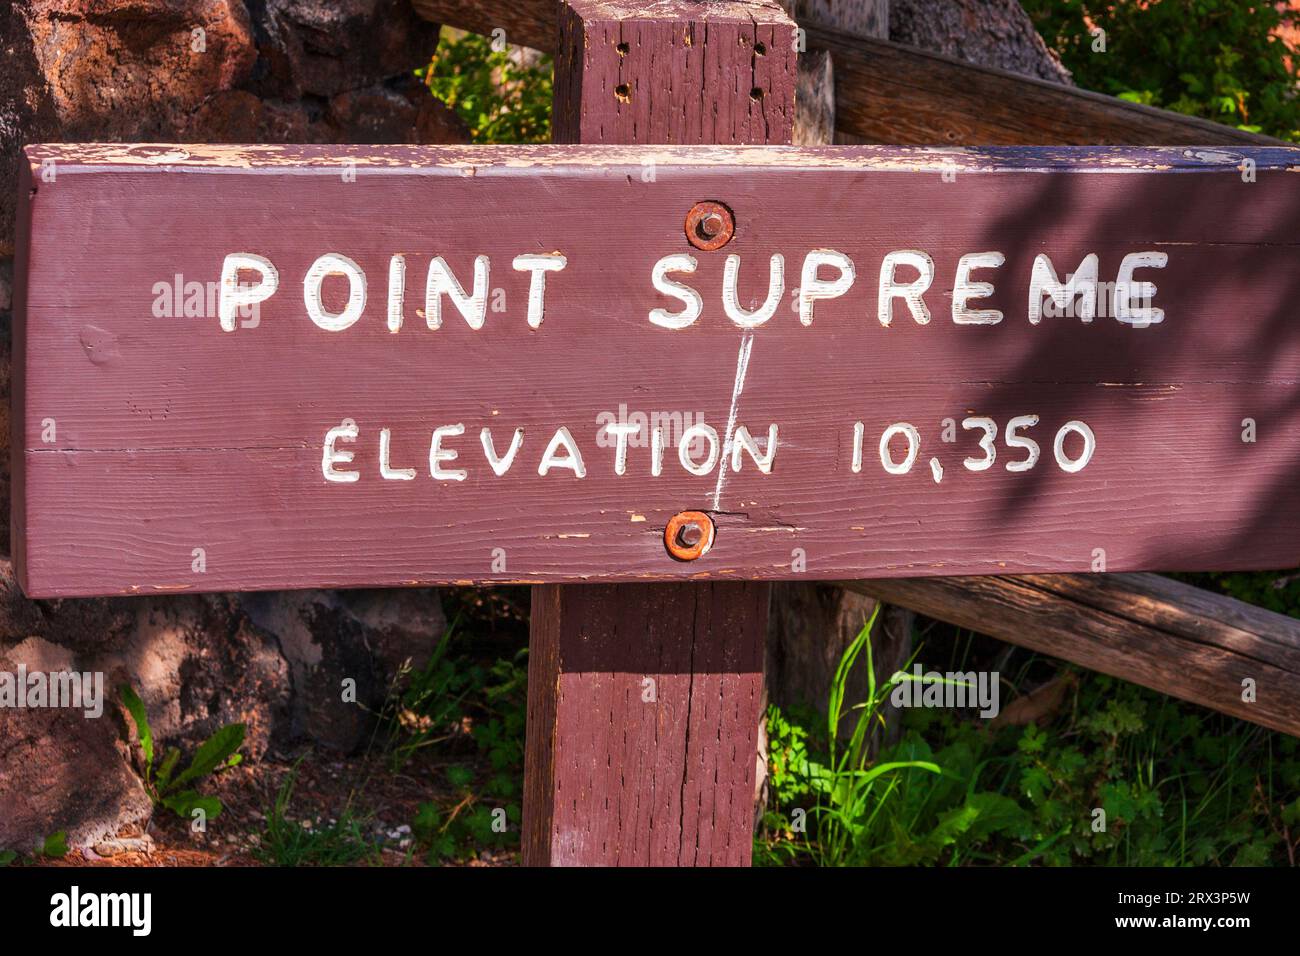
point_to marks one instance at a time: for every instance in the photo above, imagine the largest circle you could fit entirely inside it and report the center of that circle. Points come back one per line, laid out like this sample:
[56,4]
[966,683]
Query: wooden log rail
[1163,634]
[890,93]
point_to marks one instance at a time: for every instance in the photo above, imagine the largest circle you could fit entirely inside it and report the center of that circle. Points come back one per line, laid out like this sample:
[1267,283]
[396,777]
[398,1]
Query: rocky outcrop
[272,71]
[316,71]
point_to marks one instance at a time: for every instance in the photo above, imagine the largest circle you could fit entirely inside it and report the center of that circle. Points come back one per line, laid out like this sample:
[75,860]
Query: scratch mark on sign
[742,365]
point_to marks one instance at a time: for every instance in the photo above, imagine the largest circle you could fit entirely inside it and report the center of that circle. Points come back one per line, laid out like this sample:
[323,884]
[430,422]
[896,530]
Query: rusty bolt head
[710,226]
[689,535]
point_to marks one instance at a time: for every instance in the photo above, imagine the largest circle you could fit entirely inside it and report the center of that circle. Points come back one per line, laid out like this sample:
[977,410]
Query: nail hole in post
[623,92]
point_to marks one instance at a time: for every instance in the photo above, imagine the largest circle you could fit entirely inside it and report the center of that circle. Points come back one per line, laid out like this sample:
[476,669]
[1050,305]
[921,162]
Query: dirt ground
[327,785]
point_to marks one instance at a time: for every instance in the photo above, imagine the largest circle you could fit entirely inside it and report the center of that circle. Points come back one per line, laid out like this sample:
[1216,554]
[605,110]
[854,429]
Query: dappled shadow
[1235,327]
[1173,485]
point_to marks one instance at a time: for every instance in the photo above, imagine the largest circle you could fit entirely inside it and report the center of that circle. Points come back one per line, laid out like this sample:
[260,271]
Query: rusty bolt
[710,226]
[689,535]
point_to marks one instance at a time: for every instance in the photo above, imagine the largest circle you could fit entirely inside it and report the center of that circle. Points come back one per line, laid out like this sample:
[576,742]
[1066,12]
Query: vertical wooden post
[644,699]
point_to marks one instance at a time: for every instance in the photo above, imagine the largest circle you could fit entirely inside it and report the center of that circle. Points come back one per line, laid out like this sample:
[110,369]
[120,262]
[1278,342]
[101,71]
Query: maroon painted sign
[262,367]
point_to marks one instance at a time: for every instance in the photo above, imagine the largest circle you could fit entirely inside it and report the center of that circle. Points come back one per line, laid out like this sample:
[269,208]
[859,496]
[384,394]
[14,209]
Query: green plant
[457,829]
[484,809]
[168,788]
[1220,59]
[1277,591]
[1177,784]
[310,842]
[429,703]
[852,789]
[857,817]
[499,98]
[1121,776]
[53,847]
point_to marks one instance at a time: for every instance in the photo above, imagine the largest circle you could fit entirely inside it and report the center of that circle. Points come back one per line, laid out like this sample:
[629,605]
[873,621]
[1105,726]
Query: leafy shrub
[1179,786]
[1219,59]
[500,99]
[483,812]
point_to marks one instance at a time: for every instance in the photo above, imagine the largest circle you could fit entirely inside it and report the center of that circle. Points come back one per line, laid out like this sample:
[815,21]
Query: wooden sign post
[644,699]
[601,366]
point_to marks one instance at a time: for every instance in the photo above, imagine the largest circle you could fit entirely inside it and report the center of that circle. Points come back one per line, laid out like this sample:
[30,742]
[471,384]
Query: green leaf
[7,857]
[56,845]
[426,823]
[185,803]
[168,766]
[212,753]
[442,848]
[866,776]
[459,776]
[135,706]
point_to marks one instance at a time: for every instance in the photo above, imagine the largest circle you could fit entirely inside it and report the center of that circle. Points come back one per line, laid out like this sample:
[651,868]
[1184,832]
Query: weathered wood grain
[643,710]
[172,434]
[856,18]
[529,23]
[645,699]
[891,93]
[814,111]
[1154,631]
[674,72]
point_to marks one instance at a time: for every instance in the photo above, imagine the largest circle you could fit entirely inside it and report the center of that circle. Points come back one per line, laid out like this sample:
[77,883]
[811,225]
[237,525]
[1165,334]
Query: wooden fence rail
[1145,628]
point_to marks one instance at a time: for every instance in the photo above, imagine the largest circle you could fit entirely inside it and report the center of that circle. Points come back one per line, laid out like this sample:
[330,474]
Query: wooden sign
[266,367]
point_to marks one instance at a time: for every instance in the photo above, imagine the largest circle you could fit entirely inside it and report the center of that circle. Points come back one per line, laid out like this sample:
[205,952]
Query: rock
[195,660]
[274,661]
[294,71]
[60,770]
[198,665]
[116,846]
[121,70]
[994,33]
[397,112]
[337,641]
[135,70]
[320,49]
[384,114]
